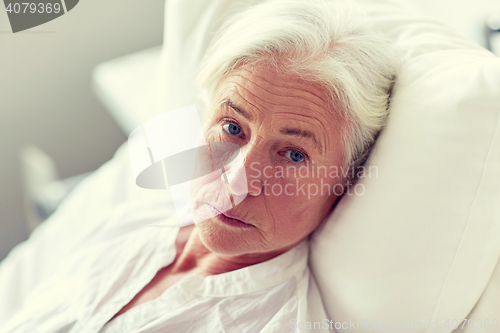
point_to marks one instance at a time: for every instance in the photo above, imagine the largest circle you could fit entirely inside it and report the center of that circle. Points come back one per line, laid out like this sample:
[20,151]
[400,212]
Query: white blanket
[104,245]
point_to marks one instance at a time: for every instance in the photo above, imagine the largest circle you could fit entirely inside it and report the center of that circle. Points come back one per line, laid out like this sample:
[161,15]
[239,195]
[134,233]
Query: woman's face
[284,185]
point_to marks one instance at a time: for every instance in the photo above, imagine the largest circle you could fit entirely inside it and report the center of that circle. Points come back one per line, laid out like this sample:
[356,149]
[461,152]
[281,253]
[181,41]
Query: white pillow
[422,241]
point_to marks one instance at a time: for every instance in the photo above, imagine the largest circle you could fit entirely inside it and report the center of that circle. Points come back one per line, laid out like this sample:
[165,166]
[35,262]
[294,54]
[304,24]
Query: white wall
[46,97]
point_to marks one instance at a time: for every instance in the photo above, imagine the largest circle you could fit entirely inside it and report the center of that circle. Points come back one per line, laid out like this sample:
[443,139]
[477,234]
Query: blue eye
[294,155]
[232,129]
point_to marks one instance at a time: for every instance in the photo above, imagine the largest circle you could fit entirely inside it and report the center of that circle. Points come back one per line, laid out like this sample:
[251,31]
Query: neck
[194,257]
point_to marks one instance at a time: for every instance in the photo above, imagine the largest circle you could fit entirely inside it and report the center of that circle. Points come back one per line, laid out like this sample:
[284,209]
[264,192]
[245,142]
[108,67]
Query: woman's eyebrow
[301,134]
[236,109]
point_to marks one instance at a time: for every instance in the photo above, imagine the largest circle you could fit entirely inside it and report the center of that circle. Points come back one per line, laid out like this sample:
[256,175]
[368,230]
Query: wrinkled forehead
[268,89]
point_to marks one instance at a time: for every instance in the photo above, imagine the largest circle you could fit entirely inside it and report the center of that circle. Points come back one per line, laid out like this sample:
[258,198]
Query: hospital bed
[422,243]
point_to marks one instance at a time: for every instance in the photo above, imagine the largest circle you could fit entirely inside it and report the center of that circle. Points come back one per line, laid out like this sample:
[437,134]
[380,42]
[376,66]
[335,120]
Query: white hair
[322,41]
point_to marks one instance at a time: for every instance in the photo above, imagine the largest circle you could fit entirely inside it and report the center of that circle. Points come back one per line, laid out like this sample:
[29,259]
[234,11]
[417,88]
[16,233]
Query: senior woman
[298,86]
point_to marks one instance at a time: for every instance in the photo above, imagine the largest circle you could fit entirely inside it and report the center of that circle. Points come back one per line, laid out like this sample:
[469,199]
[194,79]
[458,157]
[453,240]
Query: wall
[46,97]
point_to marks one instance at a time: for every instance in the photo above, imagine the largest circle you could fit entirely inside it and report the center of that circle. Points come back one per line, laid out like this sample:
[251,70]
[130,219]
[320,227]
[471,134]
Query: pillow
[421,241]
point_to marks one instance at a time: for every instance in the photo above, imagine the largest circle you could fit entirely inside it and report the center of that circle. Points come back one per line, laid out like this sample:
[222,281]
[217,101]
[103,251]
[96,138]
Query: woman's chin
[223,239]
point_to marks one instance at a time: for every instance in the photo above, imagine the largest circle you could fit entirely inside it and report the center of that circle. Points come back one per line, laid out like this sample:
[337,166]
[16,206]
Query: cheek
[298,206]
[322,193]
[287,211]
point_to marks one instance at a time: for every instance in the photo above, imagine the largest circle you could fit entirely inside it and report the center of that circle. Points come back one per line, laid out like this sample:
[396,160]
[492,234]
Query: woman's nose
[240,182]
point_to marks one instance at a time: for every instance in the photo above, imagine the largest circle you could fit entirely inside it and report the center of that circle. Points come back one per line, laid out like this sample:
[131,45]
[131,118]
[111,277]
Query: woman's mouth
[229,220]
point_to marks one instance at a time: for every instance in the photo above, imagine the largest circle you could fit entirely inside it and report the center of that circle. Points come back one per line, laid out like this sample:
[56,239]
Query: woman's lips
[234,222]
